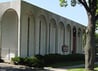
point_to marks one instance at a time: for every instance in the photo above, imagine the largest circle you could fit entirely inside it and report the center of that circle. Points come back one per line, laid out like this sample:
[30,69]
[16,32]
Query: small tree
[91,7]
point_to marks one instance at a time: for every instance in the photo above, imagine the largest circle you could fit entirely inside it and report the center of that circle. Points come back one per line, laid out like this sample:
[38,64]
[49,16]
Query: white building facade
[27,30]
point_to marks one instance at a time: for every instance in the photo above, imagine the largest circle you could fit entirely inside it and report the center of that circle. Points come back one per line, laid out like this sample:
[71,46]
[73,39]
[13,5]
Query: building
[27,30]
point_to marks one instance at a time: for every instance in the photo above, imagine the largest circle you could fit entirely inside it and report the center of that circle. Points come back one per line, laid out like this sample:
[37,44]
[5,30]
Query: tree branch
[94,6]
[84,3]
[89,1]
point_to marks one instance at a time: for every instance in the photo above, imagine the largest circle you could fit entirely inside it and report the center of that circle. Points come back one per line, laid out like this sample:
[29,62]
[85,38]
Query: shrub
[28,61]
[17,60]
[41,61]
[35,61]
[38,61]
[52,58]
[73,57]
[55,58]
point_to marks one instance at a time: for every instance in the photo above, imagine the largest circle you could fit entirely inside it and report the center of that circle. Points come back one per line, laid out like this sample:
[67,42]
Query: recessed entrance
[9,35]
[74,40]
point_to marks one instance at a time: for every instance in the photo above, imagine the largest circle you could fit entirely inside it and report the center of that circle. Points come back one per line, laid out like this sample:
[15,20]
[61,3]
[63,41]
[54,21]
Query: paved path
[10,67]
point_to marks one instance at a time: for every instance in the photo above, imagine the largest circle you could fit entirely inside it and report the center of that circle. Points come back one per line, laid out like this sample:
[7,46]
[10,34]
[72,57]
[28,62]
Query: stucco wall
[54,34]
[9,29]
[39,31]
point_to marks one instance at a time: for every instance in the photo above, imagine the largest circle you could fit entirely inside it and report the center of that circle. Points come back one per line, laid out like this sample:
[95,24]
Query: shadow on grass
[82,68]
[79,67]
[66,64]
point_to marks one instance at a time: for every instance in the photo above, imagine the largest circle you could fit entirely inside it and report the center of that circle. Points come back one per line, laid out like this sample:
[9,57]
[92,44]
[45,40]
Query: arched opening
[9,34]
[30,36]
[42,35]
[79,40]
[52,35]
[74,40]
[68,38]
[61,37]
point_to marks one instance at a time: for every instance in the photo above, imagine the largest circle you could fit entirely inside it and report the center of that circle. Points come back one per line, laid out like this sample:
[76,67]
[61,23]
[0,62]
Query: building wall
[9,29]
[51,31]
[9,34]
[37,31]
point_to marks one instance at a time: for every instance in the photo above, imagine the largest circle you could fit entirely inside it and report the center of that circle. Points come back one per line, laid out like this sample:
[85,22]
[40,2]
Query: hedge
[41,61]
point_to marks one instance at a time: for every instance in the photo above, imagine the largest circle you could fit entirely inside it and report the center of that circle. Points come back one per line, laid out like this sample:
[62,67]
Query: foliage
[63,3]
[17,60]
[38,61]
[97,25]
[91,7]
[46,60]
[96,37]
[52,58]
[34,61]
[28,61]
[68,63]
[56,58]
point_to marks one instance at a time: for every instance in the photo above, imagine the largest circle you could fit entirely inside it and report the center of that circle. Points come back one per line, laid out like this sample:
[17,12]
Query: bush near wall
[55,58]
[52,58]
[46,60]
[17,60]
[35,61]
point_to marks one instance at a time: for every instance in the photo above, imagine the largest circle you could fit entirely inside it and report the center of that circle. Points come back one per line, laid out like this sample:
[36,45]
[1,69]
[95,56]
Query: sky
[77,14]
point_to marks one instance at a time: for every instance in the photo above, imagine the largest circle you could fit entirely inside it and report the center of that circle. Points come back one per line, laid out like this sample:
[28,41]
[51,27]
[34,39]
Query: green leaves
[96,24]
[63,3]
[73,2]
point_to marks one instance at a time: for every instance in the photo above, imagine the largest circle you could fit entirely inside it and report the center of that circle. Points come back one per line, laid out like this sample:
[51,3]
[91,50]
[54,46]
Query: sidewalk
[10,67]
[65,68]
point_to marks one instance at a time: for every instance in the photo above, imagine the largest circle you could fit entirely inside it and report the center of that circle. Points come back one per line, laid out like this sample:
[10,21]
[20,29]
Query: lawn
[76,69]
[82,68]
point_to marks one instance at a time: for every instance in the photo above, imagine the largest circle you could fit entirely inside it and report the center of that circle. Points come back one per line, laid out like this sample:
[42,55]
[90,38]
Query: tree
[91,7]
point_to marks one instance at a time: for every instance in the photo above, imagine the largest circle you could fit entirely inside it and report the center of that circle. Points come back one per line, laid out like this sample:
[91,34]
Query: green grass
[76,69]
[82,68]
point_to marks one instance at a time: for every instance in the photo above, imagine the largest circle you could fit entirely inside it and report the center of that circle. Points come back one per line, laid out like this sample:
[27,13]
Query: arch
[9,27]
[68,37]
[79,32]
[42,34]
[27,34]
[74,40]
[79,40]
[52,36]
[61,36]
[30,35]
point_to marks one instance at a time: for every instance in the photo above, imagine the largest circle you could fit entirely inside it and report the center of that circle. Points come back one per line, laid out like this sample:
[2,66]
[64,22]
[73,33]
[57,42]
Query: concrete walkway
[10,67]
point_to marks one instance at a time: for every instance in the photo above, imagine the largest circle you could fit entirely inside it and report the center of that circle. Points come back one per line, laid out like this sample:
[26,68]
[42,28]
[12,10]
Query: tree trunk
[90,45]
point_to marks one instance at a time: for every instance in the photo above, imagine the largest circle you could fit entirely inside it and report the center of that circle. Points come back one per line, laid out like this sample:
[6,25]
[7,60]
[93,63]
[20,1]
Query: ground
[10,67]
